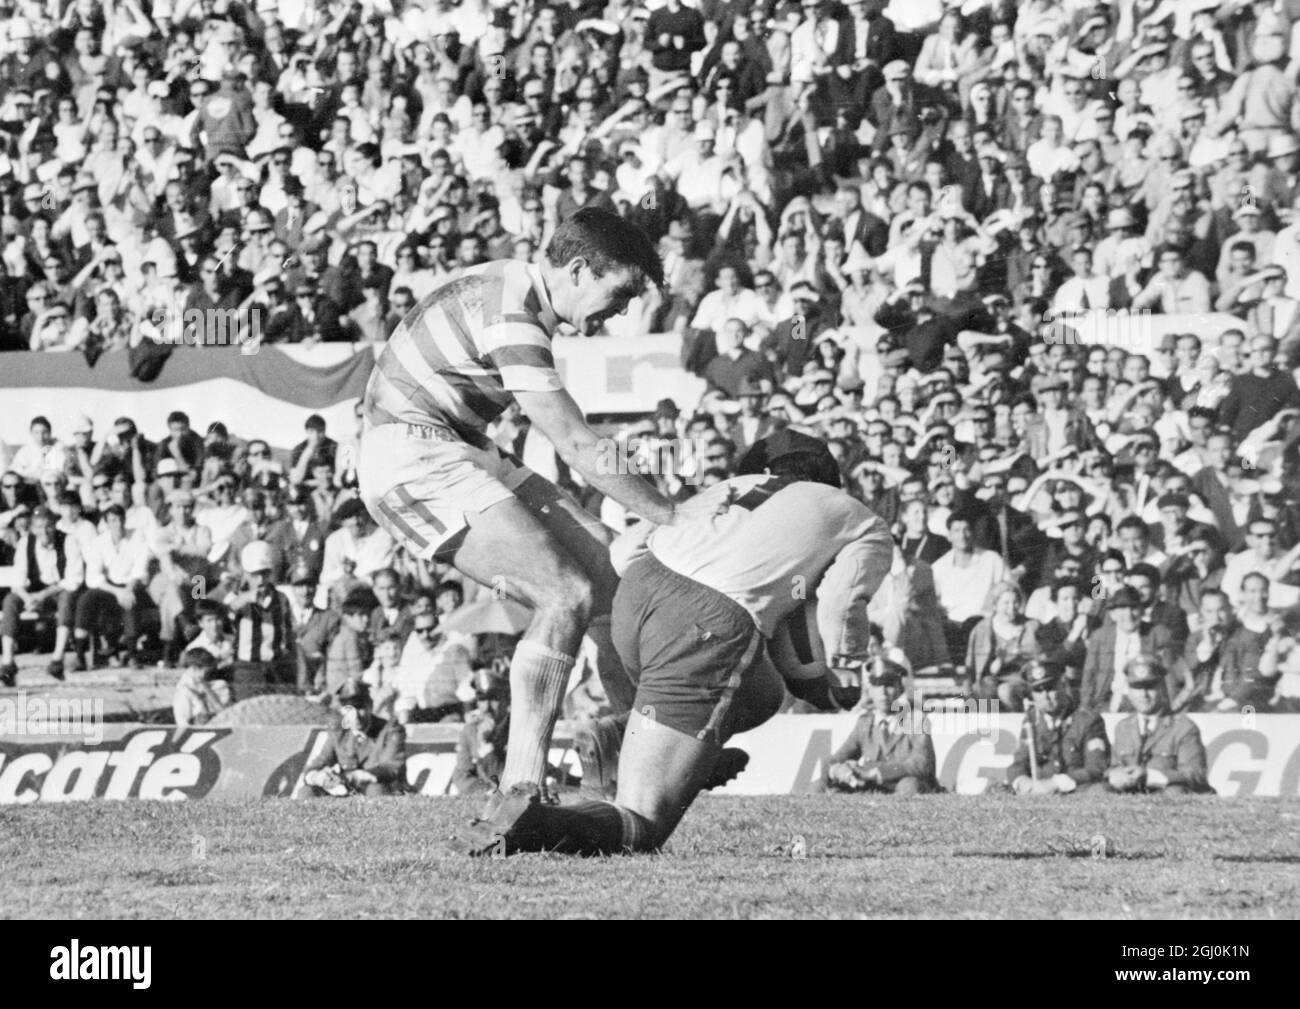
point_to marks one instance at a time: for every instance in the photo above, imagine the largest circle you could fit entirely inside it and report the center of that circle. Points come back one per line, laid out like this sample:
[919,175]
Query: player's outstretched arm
[848,585]
[557,416]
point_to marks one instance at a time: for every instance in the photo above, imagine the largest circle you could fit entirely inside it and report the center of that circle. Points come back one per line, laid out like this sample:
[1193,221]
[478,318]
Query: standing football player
[431,477]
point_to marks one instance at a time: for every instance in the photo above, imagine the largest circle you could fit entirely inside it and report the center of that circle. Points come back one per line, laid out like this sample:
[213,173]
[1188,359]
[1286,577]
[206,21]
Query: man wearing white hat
[700,173]
[1281,183]
[1121,247]
[264,631]
[29,65]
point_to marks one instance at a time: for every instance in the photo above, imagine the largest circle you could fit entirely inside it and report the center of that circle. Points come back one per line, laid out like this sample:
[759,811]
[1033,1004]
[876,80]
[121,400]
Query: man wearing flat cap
[889,750]
[1156,751]
[1123,638]
[903,100]
[1063,748]
[1058,424]
[366,755]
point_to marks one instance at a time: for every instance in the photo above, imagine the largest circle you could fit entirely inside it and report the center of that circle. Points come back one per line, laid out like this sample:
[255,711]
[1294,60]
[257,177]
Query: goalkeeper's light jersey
[769,543]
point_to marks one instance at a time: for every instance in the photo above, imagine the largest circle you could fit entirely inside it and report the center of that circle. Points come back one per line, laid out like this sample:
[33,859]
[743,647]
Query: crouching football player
[696,604]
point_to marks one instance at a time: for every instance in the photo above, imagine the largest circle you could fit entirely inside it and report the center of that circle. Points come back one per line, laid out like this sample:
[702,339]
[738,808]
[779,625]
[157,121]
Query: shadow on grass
[1015,856]
[1264,859]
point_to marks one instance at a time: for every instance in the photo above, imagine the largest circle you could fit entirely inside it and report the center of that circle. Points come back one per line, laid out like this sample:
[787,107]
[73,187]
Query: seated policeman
[1063,748]
[889,750]
[1155,750]
[365,755]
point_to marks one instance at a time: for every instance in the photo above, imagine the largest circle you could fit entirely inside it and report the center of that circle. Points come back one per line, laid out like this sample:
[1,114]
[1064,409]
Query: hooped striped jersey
[461,353]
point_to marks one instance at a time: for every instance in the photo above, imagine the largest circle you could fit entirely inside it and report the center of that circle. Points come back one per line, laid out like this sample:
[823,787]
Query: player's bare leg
[506,546]
[586,540]
[758,698]
[660,772]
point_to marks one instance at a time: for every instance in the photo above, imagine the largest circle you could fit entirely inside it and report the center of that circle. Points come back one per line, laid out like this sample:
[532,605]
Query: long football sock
[619,688]
[538,678]
[589,828]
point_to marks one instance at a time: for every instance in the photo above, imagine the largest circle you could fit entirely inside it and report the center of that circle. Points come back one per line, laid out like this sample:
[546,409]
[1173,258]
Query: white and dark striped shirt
[459,356]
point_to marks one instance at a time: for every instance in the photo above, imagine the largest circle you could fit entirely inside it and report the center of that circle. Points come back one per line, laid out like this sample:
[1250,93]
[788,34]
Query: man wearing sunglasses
[431,674]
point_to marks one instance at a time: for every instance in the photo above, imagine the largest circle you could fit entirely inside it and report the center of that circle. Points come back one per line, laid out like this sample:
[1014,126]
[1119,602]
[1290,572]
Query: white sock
[538,678]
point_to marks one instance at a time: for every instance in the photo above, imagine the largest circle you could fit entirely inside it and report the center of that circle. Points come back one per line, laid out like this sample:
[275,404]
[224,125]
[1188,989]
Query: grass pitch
[781,856]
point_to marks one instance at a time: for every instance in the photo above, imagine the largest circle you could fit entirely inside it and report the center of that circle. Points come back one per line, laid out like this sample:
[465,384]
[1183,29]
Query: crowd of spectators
[883,224]
[128,551]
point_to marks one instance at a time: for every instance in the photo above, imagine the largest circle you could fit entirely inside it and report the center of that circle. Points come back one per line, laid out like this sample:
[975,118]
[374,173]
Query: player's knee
[907,786]
[572,594]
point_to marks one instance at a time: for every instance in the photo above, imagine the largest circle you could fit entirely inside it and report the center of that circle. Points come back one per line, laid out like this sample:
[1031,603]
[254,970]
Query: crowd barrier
[1248,756]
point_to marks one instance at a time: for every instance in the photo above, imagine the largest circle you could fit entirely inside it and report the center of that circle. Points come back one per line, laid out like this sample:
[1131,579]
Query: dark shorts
[684,644]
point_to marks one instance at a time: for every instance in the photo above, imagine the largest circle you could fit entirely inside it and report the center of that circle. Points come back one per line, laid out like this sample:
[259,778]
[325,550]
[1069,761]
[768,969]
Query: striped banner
[268,394]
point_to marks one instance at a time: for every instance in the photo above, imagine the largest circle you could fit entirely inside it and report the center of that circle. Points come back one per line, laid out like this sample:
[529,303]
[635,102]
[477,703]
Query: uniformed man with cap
[889,750]
[1155,750]
[365,755]
[1063,748]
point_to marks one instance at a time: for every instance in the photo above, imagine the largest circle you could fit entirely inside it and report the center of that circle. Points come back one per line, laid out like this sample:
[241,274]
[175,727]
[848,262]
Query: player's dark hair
[607,242]
[811,466]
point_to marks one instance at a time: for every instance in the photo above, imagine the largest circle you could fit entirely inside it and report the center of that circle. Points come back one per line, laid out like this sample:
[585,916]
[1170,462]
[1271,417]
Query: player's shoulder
[826,500]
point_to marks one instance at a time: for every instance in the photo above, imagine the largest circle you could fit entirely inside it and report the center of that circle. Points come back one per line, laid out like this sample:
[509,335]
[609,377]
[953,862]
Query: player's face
[598,299]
